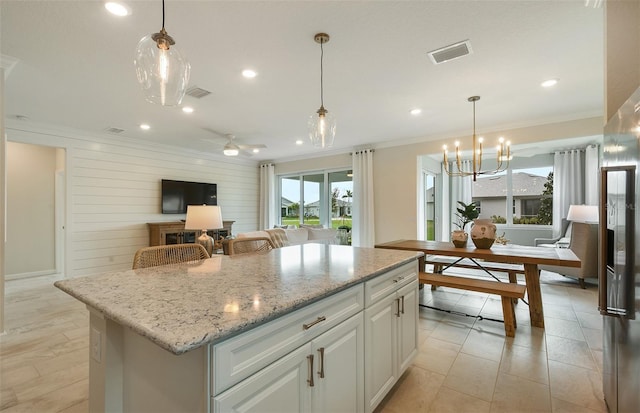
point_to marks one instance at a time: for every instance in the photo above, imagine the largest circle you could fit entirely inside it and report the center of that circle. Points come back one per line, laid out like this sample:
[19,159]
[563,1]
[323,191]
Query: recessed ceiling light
[249,74]
[416,111]
[549,83]
[118,9]
[144,126]
[256,150]
[187,109]
[299,142]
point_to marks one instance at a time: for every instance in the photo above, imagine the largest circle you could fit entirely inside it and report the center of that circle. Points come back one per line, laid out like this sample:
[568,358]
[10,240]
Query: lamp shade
[203,217]
[583,213]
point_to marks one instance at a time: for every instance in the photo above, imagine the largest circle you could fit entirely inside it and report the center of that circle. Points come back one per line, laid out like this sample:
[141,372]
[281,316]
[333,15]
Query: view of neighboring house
[490,195]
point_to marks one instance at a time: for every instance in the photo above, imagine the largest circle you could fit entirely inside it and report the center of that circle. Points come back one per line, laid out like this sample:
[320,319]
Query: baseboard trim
[21,276]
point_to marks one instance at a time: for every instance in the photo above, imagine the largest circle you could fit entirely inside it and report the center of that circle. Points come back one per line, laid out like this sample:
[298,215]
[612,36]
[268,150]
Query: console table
[165,233]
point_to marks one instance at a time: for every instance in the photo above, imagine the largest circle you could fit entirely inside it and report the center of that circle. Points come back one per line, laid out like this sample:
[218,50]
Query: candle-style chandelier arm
[502,158]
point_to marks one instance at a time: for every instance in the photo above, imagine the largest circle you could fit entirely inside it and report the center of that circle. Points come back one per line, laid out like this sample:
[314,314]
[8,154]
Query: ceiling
[74,68]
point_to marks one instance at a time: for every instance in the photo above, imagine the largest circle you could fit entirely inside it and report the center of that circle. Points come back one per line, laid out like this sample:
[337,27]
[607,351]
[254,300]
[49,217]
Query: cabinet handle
[310,379]
[313,323]
[402,298]
[321,372]
[397,307]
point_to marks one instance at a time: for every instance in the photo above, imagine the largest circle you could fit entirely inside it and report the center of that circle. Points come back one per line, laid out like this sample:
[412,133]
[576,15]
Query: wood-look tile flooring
[44,363]
[463,364]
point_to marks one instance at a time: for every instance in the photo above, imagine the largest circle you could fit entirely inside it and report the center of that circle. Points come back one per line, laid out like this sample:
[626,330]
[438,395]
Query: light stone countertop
[184,306]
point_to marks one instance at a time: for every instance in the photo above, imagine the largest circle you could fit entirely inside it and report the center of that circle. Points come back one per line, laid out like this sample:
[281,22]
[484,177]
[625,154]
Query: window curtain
[461,190]
[445,227]
[591,175]
[267,217]
[568,184]
[363,225]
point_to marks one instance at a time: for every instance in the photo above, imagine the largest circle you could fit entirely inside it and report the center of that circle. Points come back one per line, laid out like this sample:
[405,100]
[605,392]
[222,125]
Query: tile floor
[466,364]
[463,364]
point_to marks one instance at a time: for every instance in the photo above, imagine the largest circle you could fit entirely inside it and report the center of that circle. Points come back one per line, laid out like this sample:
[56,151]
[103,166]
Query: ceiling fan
[233,148]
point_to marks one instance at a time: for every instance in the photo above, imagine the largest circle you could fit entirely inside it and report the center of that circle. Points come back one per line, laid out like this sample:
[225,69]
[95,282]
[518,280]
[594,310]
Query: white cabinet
[339,368]
[324,375]
[391,335]
[278,388]
[407,325]
[340,354]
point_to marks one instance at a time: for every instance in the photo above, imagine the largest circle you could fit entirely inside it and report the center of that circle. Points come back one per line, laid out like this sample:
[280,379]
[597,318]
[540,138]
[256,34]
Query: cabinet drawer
[386,284]
[239,357]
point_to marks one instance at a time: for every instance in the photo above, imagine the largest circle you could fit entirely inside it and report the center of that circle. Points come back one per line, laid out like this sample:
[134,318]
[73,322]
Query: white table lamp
[204,217]
[583,213]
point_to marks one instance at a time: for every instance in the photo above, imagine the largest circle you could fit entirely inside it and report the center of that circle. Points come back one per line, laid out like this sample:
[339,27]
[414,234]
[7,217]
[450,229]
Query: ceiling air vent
[114,130]
[197,92]
[450,52]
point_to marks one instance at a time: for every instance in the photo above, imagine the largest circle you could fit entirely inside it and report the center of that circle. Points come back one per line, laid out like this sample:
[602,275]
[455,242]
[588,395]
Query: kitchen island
[284,330]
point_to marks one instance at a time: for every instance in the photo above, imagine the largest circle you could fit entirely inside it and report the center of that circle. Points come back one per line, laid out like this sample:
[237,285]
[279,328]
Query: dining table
[530,257]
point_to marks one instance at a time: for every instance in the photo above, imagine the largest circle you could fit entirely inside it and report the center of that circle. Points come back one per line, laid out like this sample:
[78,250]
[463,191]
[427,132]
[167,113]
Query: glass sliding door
[319,198]
[313,198]
[430,206]
[341,192]
[290,195]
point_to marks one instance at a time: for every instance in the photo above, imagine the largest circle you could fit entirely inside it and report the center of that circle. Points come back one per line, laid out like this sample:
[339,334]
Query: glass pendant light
[163,73]
[322,125]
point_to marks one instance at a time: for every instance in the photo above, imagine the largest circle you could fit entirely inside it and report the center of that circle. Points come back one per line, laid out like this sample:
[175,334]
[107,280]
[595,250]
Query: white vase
[483,233]
[459,238]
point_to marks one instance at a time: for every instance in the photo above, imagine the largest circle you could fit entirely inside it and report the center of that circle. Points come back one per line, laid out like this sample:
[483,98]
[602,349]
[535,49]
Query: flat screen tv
[176,195]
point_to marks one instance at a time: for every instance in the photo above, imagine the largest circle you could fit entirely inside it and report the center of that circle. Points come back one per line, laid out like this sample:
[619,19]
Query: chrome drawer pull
[310,379]
[313,323]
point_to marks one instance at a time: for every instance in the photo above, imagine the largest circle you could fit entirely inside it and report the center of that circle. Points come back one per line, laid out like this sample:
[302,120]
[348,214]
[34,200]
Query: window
[521,195]
[320,198]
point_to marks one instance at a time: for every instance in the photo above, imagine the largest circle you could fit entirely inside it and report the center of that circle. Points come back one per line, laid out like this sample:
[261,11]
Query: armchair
[584,243]
[563,238]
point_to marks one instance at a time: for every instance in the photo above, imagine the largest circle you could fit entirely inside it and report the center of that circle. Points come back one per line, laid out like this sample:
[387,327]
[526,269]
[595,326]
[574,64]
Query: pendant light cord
[321,74]
[162,14]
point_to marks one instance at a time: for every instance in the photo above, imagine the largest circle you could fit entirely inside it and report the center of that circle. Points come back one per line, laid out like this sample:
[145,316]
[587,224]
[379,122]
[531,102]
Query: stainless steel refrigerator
[619,279]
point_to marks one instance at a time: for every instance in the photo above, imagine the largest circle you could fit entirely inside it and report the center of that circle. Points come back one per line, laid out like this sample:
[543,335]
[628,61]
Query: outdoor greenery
[497,219]
[545,214]
[335,222]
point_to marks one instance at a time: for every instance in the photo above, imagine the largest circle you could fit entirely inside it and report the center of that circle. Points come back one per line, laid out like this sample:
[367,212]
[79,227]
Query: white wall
[622,53]
[30,205]
[113,190]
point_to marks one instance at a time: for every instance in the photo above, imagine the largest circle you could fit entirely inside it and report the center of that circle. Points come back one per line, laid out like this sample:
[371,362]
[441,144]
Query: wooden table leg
[532,278]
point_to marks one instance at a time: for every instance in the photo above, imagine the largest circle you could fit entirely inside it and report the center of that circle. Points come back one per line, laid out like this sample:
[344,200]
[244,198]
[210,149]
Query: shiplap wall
[113,190]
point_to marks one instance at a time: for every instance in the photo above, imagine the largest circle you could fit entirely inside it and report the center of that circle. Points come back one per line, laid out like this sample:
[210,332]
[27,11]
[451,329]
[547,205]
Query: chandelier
[503,153]
[322,124]
[162,72]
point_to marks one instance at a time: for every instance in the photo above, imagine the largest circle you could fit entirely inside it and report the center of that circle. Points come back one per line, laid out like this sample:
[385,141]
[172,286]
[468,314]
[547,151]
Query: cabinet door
[279,388]
[339,368]
[407,326]
[380,354]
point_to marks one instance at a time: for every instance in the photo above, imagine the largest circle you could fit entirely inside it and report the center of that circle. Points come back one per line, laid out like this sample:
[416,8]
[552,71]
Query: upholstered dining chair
[168,254]
[248,245]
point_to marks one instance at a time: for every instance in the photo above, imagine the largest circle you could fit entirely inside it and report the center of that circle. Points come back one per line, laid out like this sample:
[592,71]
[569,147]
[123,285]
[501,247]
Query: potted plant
[466,214]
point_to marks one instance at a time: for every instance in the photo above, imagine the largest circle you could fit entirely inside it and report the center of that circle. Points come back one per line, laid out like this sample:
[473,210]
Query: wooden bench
[507,291]
[439,262]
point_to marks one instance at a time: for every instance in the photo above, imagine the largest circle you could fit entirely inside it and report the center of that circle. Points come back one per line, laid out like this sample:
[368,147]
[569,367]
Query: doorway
[35,210]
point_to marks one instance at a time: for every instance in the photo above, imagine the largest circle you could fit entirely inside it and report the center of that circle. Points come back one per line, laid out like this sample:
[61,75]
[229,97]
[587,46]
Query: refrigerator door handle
[603,272]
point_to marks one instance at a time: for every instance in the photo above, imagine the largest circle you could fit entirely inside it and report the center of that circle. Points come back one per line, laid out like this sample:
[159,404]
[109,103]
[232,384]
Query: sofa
[282,237]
